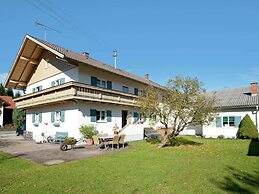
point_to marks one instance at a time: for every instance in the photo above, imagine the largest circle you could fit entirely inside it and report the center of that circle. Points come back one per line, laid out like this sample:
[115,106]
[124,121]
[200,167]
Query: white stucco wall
[1,116]
[70,124]
[103,127]
[211,131]
[70,75]
[85,73]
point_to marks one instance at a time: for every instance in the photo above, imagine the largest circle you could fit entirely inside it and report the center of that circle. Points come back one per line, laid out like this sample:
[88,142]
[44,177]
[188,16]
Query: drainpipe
[256,119]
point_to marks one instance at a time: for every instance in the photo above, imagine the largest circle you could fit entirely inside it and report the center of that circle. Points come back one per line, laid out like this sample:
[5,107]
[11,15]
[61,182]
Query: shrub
[88,131]
[221,137]
[247,129]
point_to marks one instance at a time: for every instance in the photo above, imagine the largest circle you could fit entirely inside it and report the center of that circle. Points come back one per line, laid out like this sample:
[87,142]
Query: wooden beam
[32,61]
[18,82]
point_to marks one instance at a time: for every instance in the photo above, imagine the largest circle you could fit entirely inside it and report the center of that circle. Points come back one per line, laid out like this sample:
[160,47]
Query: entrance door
[124,117]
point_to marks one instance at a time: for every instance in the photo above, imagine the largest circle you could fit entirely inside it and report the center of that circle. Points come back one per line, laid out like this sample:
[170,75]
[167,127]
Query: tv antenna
[46,28]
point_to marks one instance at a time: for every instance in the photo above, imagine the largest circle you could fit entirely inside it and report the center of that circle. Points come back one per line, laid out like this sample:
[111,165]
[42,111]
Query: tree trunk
[164,141]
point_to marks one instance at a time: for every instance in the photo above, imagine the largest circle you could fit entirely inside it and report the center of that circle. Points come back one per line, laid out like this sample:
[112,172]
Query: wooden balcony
[75,91]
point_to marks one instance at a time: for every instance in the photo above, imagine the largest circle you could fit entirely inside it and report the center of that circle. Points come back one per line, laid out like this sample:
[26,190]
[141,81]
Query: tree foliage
[19,116]
[247,129]
[5,91]
[181,103]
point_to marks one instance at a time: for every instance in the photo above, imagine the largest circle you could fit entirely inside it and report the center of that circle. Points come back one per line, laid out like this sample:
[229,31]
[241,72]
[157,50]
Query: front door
[124,117]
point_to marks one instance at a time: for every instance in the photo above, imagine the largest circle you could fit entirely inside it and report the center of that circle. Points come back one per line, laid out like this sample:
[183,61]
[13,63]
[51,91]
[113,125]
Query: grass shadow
[183,141]
[239,181]
[176,142]
[253,149]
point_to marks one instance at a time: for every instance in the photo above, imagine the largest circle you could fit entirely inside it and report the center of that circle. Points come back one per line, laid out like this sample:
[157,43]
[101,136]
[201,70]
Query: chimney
[254,88]
[86,54]
[146,76]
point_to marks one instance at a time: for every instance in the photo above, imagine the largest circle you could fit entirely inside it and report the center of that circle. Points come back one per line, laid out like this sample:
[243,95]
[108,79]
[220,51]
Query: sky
[215,41]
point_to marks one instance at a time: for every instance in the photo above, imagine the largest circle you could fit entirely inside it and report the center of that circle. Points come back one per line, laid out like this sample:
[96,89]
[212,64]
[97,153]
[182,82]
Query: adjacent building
[6,109]
[64,90]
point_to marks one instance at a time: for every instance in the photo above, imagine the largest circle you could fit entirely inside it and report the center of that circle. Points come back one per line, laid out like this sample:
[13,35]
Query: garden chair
[115,141]
[121,140]
[96,141]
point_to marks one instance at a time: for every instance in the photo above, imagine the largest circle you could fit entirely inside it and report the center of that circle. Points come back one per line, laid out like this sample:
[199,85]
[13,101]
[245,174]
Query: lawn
[211,166]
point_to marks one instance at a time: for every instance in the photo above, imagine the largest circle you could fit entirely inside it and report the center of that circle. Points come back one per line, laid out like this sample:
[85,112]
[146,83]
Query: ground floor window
[100,115]
[228,121]
[37,117]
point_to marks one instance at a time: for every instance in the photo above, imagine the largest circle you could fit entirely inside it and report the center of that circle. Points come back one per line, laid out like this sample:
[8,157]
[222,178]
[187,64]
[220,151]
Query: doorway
[124,115]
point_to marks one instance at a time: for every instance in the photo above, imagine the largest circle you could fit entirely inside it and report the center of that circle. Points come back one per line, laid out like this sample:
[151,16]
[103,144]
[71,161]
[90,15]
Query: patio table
[105,140]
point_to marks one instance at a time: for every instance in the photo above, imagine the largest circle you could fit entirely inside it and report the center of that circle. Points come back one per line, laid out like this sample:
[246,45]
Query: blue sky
[215,41]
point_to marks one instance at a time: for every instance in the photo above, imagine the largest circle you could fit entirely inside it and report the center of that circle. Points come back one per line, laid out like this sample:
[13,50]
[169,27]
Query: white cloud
[3,77]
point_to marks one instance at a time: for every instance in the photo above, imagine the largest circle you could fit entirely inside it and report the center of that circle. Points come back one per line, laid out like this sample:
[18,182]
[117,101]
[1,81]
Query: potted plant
[88,131]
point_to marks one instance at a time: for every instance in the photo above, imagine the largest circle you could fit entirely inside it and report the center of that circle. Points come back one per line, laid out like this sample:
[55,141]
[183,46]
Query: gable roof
[235,97]
[8,100]
[40,45]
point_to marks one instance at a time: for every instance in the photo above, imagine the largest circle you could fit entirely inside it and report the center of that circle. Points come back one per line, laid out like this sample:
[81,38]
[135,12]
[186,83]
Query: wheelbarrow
[68,141]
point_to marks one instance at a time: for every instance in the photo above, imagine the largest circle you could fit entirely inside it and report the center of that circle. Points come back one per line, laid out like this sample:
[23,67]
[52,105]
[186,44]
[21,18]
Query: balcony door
[124,115]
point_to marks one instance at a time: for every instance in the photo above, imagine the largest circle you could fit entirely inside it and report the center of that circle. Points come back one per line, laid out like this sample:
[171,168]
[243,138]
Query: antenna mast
[46,28]
[115,58]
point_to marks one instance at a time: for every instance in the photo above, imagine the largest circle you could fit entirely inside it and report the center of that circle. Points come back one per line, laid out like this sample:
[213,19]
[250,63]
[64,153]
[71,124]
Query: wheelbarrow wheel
[63,147]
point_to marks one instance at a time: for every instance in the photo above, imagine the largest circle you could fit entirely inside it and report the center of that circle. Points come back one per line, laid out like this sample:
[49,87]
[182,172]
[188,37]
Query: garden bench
[60,137]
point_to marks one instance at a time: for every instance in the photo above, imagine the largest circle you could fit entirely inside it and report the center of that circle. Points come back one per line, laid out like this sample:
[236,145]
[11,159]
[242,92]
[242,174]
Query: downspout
[256,119]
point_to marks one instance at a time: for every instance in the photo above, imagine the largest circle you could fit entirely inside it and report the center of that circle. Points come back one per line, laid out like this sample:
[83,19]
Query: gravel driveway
[47,154]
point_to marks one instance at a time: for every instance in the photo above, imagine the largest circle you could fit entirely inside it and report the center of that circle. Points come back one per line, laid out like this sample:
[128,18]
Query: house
[233,105]
[64,90]
[6,110]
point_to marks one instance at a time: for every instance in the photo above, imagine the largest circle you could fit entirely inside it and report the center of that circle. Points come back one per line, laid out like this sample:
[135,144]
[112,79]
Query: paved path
[47,154]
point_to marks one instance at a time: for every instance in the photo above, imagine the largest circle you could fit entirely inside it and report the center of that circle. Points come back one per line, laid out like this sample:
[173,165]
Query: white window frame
[228,122]
[102,116]
[57,116]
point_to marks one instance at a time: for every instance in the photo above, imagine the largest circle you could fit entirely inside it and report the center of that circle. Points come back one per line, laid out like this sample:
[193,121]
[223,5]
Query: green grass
[207,166]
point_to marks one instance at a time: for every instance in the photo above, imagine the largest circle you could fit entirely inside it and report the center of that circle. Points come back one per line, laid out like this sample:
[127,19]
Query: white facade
[214,131]
[1,116]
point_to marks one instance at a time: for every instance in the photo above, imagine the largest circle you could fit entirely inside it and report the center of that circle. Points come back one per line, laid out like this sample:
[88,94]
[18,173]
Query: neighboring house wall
[216,128]
[86,72]
[1,116]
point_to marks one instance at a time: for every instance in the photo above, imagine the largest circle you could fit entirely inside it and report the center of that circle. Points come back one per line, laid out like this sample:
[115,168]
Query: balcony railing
[75,91]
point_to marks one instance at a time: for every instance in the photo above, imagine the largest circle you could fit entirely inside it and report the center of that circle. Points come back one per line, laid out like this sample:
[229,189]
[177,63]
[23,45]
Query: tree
[247,129]
[181,103]
[2,90]
[17,95]
[19,117]
[9,92]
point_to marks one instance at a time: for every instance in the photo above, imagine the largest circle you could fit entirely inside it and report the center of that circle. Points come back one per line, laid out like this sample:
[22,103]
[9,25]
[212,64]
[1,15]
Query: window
[58,116]
[36,117]
[228,121]
[58,82]
[36,89]
[100,115]
[125,89]
[136,91]
[103,84]
[98,83]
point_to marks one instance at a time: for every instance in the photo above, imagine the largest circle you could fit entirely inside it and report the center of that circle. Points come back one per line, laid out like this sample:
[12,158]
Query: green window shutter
[109,115]
[33,117]
[93,81]
[40,117]
[109,85]
[237,121]
[135,115]
[62,116]
[93,115]
[218,122]
[52,117]
[136,91]
[52,84]
[62,80]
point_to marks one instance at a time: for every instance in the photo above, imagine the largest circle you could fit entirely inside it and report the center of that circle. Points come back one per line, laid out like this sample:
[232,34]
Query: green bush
[88,131]
[18,117]
[247,129]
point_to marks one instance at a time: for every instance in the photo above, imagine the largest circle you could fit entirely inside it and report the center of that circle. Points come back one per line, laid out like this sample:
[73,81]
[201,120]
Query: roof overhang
[26,61]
